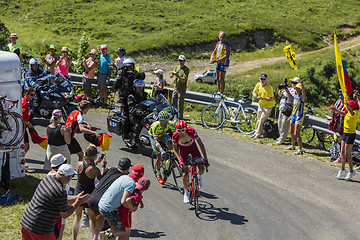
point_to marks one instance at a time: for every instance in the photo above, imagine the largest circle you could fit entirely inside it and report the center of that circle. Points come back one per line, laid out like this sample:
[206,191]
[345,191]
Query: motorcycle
[151,108]
[55,92]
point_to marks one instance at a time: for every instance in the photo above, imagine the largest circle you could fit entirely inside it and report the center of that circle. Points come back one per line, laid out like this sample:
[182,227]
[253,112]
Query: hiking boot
[160,180]
[298,152]
[186,196]
[341,173]
[200,181]
[350,175]
[290,148]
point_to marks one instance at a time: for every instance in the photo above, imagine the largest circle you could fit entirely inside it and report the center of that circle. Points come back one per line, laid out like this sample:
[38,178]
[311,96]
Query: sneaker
[350,175]
[341,173]
[338,160]
[200,181]
[186,196]
[85,223]
[108,236]
[159,179]
[290,148]
[279,142]
[298,152]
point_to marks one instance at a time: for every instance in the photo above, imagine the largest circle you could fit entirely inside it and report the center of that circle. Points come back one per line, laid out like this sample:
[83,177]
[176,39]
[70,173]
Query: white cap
[66,170]
[159,71]
[182,58]
[295,80]
[103,46]
[57,159]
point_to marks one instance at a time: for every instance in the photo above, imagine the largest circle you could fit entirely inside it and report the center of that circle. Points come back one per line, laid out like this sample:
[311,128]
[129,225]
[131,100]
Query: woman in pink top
[90,66]
[64,62]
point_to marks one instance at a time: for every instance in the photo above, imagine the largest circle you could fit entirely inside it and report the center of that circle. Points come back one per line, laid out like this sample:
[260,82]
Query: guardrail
[205,98]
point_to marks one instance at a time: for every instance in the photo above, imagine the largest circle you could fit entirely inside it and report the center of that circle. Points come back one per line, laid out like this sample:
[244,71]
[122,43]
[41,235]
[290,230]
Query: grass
[142,25]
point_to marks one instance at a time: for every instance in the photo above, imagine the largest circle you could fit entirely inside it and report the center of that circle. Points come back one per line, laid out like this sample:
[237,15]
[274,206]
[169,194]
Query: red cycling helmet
[181,125]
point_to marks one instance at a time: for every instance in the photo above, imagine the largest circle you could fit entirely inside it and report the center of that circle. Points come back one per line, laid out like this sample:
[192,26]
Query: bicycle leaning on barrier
[214,115]
[12,125]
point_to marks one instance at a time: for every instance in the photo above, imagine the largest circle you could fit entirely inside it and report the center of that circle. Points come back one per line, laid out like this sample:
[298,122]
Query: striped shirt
[49,200]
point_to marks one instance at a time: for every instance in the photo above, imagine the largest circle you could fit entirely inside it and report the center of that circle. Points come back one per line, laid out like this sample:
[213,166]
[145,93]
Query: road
[251,191]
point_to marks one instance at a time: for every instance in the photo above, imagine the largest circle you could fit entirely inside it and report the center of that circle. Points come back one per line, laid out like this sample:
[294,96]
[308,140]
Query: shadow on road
[209,213]
[140,150]
[144,234]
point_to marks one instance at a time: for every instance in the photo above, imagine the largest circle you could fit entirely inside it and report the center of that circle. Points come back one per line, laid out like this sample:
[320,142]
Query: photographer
[285,107]
[89,68]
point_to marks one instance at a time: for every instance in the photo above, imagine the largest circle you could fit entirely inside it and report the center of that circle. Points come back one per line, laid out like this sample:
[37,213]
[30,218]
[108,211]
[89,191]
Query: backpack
[270,130]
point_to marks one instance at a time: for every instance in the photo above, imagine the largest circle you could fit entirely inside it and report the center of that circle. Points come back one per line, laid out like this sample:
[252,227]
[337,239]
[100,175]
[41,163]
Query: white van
[10,85]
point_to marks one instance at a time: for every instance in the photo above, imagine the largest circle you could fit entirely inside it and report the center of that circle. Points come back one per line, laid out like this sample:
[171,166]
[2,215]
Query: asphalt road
[250,192]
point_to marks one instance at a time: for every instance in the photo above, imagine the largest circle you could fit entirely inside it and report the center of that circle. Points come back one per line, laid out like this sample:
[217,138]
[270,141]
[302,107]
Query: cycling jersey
[192,149]
[75,118]
[157,131]
[190,131]
[220,52]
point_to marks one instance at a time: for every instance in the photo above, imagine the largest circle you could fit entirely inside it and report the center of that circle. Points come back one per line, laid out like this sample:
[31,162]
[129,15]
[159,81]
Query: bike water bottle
[167,163]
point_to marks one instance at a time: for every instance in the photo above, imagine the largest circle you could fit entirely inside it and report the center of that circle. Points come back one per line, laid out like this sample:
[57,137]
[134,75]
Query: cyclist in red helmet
[184,144]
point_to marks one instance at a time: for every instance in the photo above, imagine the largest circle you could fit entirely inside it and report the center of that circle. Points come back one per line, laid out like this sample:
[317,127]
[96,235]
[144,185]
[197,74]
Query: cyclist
[184,144]
[158,134]
[135,110]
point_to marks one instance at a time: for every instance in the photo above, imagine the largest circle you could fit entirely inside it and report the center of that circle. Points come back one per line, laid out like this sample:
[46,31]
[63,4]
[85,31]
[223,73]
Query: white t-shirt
[159,81]
[285,98]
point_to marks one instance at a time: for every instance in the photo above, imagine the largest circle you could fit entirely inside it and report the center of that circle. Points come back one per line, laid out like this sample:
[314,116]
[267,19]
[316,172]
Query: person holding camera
[285,107]
[87,171]
[50,60]
[64,62]
[89,68]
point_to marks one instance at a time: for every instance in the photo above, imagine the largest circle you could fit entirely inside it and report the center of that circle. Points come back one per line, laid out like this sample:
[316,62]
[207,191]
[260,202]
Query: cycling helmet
[34,61]
[139,83]
[129,61]
[181,125]
[164,116]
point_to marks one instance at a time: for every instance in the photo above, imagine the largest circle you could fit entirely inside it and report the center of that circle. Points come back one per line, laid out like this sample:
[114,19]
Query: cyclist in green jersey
[158,134]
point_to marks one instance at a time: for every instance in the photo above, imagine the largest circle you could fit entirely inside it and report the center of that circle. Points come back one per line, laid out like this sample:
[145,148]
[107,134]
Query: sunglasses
[180,130]
[31,94]
[263,79]
[103,49]
[164,121]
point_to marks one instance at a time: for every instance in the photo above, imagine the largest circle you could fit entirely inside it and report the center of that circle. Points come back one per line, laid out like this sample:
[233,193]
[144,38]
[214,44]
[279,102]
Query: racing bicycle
[12,125]
[214,115]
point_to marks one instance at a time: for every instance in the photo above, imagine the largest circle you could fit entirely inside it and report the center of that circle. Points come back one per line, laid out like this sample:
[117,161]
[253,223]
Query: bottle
[167,163]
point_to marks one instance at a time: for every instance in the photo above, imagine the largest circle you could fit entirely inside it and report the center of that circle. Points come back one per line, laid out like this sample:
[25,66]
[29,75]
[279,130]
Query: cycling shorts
[74,146]
[297,119]
[184,153]
[221,68]
[349,138]
[164,138]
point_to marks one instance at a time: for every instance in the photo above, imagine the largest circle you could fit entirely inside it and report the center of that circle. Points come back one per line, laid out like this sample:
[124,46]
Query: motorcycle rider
[135,111]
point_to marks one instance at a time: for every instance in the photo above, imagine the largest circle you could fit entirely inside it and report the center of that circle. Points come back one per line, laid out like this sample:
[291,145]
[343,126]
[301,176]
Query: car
[209,76]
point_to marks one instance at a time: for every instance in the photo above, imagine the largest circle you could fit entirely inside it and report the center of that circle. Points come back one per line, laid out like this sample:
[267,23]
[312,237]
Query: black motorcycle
[55,92]
[151,108]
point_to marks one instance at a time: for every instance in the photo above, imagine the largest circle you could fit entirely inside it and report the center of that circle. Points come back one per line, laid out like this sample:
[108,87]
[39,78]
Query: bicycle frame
[4,111]
[229,111]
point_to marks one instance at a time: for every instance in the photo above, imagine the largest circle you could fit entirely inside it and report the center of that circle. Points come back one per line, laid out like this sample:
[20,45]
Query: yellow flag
[291,56]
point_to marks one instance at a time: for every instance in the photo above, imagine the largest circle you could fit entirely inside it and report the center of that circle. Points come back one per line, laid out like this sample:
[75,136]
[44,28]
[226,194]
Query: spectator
[336,123]
[29,95]
[87,173]
[75,121]
[181,73]
[264,93]
[120,52]
[15,47]
[64,62]
[104,75]
[351,116]
[50,201]
[58,138]
[50,60]
[159,83]
[220,56]
[287,97]
[90,66]
[109,176]
[115,196]
[297,117]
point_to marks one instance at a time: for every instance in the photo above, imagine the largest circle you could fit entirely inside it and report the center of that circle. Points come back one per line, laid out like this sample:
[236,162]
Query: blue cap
[120,49]
[263,75]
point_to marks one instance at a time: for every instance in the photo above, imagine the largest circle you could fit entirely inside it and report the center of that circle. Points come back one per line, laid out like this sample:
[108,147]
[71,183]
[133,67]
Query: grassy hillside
[149,24]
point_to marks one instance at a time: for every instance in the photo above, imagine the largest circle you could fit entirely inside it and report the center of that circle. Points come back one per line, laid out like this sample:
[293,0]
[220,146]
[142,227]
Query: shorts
[113,218]
[27,235]
[101,81]
[86,85]
[125,215]
[164,138]
[221,68]
[349,138]
[26,136]
[74,146]
[297,119]
[184,153]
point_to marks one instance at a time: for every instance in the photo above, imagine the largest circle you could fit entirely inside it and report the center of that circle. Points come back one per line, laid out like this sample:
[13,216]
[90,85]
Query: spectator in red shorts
[29,95]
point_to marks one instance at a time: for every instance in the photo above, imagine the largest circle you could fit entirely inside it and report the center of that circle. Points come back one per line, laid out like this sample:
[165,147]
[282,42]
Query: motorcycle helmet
[164,116]
[139,83]
[181,125]
[127,62]
[34,61]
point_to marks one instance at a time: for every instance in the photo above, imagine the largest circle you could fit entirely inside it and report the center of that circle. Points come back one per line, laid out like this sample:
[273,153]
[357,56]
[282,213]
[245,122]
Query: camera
[102,156]
[284,85]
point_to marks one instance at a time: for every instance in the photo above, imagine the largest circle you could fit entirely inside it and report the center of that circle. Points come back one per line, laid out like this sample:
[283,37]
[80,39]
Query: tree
[4,37]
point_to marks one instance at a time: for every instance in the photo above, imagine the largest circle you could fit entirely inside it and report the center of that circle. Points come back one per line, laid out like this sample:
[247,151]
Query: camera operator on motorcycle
[136,112]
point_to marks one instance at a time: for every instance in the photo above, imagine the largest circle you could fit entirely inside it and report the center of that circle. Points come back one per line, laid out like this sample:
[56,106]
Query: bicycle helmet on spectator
[164,116]
[139,83]
[127,62]
[181,125]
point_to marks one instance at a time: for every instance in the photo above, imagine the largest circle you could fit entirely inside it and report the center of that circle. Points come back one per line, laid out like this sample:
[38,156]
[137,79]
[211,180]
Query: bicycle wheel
[196,195]
[246,120]
[307,134]
[12,129]
[325,140]
[162,172]
[176,172]
[213,116]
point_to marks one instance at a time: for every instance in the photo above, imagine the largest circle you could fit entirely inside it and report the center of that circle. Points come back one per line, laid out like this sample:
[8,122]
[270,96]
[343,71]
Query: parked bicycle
[308,134]
[214,115]
[12,125]
[169,166]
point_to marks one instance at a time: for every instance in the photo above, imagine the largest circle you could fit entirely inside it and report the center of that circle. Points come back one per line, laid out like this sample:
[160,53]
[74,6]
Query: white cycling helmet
[129,61]
[34,61]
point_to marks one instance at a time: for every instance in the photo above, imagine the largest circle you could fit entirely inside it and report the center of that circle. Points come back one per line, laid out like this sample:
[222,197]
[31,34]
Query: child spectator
[159,83]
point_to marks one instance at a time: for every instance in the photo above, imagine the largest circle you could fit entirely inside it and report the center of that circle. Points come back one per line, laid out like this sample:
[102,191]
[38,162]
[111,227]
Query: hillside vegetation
[140,25]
